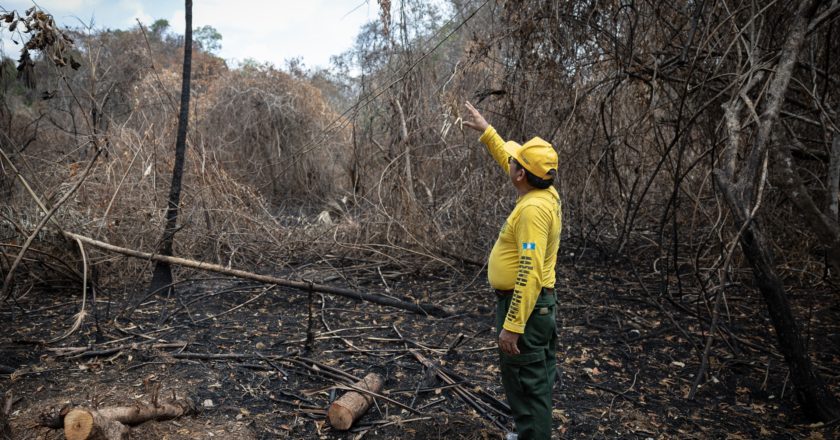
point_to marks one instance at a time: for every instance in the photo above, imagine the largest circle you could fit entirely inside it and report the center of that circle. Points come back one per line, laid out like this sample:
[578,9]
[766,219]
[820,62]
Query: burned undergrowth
[699,175]
[627,358]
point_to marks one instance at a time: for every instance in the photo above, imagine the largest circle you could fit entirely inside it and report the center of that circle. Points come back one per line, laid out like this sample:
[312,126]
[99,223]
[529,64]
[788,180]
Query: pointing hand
[474,120]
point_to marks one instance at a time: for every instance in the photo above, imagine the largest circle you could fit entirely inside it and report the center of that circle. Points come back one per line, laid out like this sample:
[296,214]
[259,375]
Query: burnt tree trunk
[739,191]
[5,409]
[162,277]
[826,225]
[809,387]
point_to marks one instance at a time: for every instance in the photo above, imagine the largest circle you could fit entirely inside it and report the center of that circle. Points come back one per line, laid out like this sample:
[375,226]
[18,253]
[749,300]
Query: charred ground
[628,355]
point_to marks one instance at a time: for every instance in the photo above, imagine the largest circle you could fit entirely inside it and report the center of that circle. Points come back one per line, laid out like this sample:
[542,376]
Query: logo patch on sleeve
[529,246]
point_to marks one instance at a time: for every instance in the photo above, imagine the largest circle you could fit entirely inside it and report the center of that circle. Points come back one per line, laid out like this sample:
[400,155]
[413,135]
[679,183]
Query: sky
[267,31]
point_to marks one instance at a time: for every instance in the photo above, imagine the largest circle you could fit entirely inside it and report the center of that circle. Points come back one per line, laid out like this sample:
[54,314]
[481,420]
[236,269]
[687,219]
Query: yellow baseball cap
[536,155]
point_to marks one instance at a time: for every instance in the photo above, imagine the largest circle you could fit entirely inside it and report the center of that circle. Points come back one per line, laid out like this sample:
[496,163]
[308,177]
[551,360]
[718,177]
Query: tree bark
[833,196]
[409,179]
[5,409]
[112,423]
[809,388]
[352,405]
[162,276]
[825,225]
[811,391]
[90,424]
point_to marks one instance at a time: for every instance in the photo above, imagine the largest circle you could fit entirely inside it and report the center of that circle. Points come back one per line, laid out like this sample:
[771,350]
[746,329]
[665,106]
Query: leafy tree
[208,38]
[159,27]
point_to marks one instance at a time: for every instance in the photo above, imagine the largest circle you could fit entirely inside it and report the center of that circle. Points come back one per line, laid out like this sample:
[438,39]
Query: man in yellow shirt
[521,270]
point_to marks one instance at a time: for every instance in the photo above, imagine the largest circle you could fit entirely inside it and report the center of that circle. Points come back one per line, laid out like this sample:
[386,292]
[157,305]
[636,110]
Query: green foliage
[208,38]
[159,27]
[253,65]
[7,71]
[9,85]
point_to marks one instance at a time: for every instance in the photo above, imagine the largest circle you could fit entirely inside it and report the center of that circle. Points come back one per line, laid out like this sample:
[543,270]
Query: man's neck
[523,189]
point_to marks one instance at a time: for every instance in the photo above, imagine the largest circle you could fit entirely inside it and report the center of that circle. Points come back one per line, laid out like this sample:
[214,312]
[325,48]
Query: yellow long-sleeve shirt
[525,254]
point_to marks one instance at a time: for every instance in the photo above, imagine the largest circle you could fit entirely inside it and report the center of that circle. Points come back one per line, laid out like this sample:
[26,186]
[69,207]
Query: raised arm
[489,137]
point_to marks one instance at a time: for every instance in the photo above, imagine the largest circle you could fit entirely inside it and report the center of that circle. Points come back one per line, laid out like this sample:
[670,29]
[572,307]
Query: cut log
[112,423]
[143,412]
[352,405]
[90,424]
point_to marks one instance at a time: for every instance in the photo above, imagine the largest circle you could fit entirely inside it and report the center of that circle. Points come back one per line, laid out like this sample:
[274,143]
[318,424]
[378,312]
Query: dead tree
[825,224]
[163,272]
[739,191]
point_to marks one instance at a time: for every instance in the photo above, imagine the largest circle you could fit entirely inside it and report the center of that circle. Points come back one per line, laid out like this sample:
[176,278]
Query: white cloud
[55,6]
[266,31]
[64,11]
[135,11]
[276,31]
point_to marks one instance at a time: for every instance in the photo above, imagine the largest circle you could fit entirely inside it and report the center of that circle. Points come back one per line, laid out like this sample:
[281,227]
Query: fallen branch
[481,406]
[7,282]
[309,364]
[429,309]
[89,351]
[112,423]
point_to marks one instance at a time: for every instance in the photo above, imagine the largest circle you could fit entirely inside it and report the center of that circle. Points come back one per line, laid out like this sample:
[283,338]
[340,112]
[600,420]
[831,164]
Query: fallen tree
[429,309]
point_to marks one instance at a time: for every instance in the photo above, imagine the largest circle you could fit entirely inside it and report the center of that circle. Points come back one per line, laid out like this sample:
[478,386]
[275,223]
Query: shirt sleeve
[491,139]
[531,231]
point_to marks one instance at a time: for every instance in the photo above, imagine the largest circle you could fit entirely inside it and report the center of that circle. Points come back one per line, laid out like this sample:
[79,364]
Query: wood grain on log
[352,405]
[112,423]
[89,424]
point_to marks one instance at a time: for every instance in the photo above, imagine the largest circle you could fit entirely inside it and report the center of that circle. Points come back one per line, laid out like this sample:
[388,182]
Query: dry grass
[276,176]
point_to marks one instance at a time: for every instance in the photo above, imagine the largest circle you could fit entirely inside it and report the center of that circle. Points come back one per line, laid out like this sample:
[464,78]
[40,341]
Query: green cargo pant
[528,377]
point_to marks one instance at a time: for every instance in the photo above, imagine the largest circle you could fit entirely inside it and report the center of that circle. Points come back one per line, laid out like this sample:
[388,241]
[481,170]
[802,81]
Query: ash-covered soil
[629,351]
